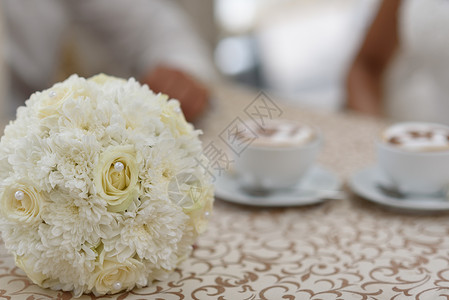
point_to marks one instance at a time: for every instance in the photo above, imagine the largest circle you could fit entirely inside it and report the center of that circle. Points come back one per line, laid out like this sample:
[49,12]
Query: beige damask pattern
[341,249]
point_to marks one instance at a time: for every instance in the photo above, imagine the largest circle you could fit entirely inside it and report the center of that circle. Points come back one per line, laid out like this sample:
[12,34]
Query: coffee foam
[282,133]
[418,137]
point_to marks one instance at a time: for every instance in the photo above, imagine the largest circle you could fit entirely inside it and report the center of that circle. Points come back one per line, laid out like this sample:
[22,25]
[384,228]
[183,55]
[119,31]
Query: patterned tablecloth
[340,249]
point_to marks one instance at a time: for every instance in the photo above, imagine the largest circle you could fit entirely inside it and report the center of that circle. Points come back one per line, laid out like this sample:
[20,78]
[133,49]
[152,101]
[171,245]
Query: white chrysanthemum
[100,188]
[154,234]
[75,222]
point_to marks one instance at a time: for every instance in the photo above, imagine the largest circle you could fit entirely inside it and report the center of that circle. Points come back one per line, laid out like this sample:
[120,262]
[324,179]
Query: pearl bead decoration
[118,166]
[52,94]
[117,286]
[19,195]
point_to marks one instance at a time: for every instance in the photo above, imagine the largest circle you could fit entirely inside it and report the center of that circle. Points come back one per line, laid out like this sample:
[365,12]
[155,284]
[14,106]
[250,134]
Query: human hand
[192,94]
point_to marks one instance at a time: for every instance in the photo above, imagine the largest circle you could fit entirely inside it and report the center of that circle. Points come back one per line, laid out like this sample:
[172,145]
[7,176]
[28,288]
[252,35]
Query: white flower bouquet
[101,189]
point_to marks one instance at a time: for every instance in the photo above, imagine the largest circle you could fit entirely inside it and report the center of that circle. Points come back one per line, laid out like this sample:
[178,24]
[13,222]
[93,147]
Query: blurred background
[297,50]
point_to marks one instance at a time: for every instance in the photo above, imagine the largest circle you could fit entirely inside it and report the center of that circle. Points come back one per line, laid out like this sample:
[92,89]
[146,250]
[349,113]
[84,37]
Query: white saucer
[365,184]
[310,190]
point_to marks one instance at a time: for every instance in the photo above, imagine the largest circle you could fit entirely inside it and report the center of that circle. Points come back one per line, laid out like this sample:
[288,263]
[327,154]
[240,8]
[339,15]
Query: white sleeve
[144,33]
[4,105]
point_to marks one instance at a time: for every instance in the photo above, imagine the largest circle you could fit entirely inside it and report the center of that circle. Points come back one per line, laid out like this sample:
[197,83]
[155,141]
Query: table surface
[339,249]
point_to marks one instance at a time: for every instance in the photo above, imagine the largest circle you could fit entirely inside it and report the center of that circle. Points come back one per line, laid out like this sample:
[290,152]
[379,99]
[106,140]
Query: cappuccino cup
[279,156]
[414,157]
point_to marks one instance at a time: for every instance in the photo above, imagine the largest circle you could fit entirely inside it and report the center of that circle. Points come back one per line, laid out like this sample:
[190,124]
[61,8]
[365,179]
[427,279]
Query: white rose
[26,265]
[194,196]
[115,177]
[103,78]
[21,203]
[51,100]
[173,117]
[201,213]
[112,276]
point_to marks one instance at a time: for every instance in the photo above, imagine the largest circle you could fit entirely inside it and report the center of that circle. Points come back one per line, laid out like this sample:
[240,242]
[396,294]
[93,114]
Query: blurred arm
[4,105]
[365,75]
[157,44]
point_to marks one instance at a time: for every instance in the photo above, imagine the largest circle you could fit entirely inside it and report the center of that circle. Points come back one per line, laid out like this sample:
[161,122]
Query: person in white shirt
[151,40]
[401,71]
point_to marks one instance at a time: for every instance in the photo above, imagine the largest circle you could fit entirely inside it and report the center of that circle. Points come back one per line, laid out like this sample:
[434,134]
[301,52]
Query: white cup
[270,167]
[414,172]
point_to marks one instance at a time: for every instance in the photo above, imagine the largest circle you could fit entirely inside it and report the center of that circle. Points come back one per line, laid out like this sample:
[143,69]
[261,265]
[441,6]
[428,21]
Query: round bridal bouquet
[101,186]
